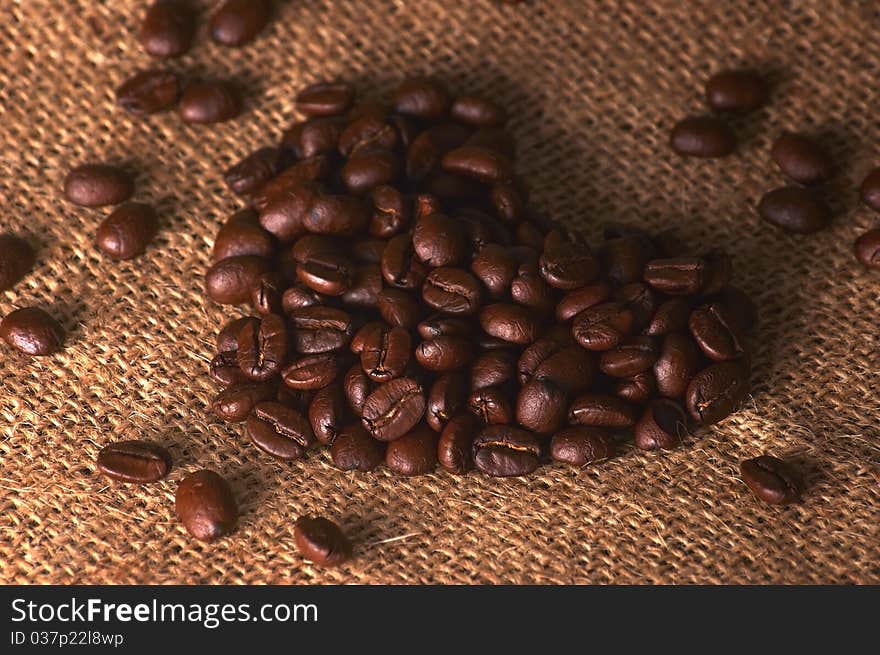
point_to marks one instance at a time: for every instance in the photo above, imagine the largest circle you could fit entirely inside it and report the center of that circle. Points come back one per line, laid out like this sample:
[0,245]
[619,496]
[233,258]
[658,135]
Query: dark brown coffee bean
[508,202]
[368,168]
[16,259]
[400,266]
[720,268]
[641,299]
[455,448]
[446,398]
[224,369]
[342,215]
[678,362]
[869,190]
[602,411]
[364,335]
[577,300]
[493,369]
[505,450]
[237,22]
[394,409]
[491,405]
[366,285]
[542,406]
[355,450]
[445,353]
[438,325]
[717,391]
[867,249]
[386,353]
[262,349]
[319,136]
[284,213]
[279,430]
[428,148]
[252,172]
[497,140]
[624,257]
[556,340]
[240,238]
[677,276]
[671,316]
[772,480]
[795,209]
[32,331]
[308,171]
[582,445]
[738,91]
[232,280]
[716,332]
[149,92]
[311,371]
[327,413]
[572,368]
[325,99]
[208,102]
[298,400]
[703,136]
[127,231]
[368,251]
[422,97]
[415,453]
[399,308]
[391,213]
[477,112]
[234,404]
[638,389]
[452,291]
[206,506]
[568,266]
[801,158]
[439,240]
[329,273]
[98,185]
[661,426]
[509,322]
[481,163]
[134,461]
[266,296]
[321,541]
[357,387]
[452,188]
[632,356]
[298,297]
[227,338]
[368,131]
[604,326]
[739,307]
[168,28]
[495,267]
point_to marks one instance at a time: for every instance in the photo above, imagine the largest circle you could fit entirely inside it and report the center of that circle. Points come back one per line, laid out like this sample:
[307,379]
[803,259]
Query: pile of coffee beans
[411,309]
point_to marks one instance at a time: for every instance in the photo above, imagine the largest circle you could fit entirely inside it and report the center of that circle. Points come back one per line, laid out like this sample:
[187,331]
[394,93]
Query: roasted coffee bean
[446,398]
[391,213]
[134,461]
[325,99]
[568,266]
[225,369]
[399,308]
[795,209]
[671,316]
[394,409]
[677,276]
[252,172]
[98,185]
[444,353]
[327,413]
[364,334]
[582,445]
[452,291]
[365,287]
[505,450]
[577,300]
[320,136]
[425,152]
[386,353]
[262,349]
[572,368]
[298,297]
[603,326]
[661,426]
[208,102]
[368,168]
[32,331]
[354,449]
[637,389]
[867,249]
[452,188]
[509,322]
[279,430]
[737,91]
[495,267]
[542,406]
[372,130]
[284,213]
[491,405]
[739,307]
[357,387]
[602,411]
[772,480]
[421,97]
[149,92]
[232,280]
[556,340]
[716,332]
[295,399]
[493,369]
[310,170]
[326,272]
[234,404]
[508,202]
[717,391]
[439,240]
[311,371]
[455,448]
[400,266]
[720,270]
[438,325]
[869,191]
[206,506]
[632,356]
[238,21]
[168,28]
[477,112]
[127,231]
[677,363]
[415,453]
[16,259]
[641,300]
[240,238]
[801,158]
[624,258]
[227,338]
[703,136]
[266,296]
[321,541]
[368,251]
[481,163]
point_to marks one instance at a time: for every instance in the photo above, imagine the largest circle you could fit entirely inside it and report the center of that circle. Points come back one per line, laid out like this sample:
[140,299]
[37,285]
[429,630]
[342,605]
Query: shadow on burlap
[593,94]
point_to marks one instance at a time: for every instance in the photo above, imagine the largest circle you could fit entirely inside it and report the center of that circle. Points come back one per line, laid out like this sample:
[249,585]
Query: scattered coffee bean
[208,102]
[795,209]
[16,259]
[703,136]
[717,391]
[127,231]
[206,506]
[772,480]
[321,541]
[168,28]
[867,248]
[134,461]
[801,159]
[325,99]
[32,331]
[149,92]
[98,185]
[238,21]
[737,91]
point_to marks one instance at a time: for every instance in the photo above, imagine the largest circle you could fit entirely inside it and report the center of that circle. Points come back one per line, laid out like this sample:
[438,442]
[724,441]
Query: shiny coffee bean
[505,450]
[328,412]
[603,326]
[320,329]
[671,316]
[801,158]
[311,371]
[421,97]
[428,148]
[493,368]
[438,325]
[134,461]
[341,215]
[17,257]
[237,22]
[98,185]
[240,238]
[320,136]
[400,266]
[772,480]
[582,445]
[391,213]
[298,297]
[509,322]
[321,541]
[602,411]
[455,448]
[399,308]
[661,426]
[641,300]
[452,291]
[284,212]
[491,405]
[252,172]
[572,368]
[367,131]
[716,332]
[867,249]
[624,258]
[233,405]
[439,240]
[325,99]
[484,164]
[676,364]
[354,449]
[677,276]
[331,274]
[279,430]
[630,357]
[495,267]
[148,92]
[542,406]
[577,300]
[266,296]
[556,340]
[703,136]
[795,209]
[227,338]
[206,506]
[32,331]
[368,168]
[368,251]
[508,201]
[364,334]
[869,191]
[415,453]
[127,231]
[531,290]
[568,266]
[262,349]
[385,353]
[444,353]
[637,389]
[477,112]
[168,28]
[208,102]
[717,391]
[357,387]
[446,398]
[224,369]
[393,409]
[736,91]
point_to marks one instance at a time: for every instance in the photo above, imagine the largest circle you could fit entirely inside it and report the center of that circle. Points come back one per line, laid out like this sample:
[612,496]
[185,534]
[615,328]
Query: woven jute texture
[594,88]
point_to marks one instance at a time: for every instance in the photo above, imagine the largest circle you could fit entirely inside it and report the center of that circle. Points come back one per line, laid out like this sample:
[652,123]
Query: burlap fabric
[595,87]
